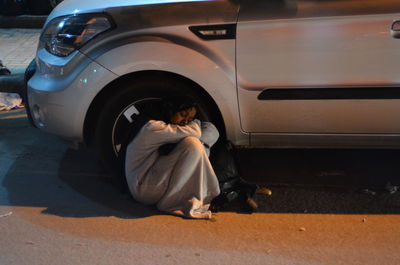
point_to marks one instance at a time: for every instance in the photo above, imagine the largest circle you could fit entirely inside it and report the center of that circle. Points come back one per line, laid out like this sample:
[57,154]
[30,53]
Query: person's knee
[191,142]
[192,145]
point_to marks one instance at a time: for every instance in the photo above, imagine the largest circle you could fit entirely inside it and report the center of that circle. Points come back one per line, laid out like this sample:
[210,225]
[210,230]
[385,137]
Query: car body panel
[62,111]
[138,47]
[281,44]
[138,14]
[210,65]
[257,10]
[147,17]
[335,50]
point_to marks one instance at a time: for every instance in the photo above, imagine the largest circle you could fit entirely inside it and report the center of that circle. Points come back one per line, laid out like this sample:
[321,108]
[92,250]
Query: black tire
[30,70]
[112,124]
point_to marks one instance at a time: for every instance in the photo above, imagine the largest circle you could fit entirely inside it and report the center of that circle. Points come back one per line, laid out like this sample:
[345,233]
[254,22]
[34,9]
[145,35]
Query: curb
[23,21]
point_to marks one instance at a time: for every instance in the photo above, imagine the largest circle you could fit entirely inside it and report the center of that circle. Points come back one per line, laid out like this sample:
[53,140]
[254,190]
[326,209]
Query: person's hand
[196,121]
[209,133]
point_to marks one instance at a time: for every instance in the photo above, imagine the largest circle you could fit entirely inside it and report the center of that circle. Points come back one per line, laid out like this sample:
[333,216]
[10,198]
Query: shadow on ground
[325,181]
[44,173]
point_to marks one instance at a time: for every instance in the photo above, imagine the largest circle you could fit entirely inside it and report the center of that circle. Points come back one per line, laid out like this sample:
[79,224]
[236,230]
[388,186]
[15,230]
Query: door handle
[395,29]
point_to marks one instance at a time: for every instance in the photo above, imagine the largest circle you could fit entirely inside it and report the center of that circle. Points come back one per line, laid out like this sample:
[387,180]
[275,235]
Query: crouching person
[167,162]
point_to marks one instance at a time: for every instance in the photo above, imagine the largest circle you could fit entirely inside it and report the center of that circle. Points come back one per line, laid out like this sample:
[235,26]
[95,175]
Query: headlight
[63,35]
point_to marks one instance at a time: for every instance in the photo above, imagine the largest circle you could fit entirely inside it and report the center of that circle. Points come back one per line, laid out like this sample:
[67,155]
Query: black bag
[12,7]
[223,161]
[234,189]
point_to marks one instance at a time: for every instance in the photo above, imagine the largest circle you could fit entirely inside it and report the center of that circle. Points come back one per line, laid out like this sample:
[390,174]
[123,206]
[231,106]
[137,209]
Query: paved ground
[58,207]
[18,47]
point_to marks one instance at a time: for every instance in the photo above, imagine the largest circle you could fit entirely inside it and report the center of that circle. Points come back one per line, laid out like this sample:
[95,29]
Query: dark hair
[177,103]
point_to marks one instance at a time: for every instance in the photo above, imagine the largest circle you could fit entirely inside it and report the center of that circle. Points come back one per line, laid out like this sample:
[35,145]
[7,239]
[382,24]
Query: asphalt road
[57,206]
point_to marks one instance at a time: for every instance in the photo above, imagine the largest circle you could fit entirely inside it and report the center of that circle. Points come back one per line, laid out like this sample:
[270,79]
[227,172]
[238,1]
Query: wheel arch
[109,90]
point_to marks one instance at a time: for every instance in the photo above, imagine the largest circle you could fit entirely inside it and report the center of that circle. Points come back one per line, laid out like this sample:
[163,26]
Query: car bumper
[60,92]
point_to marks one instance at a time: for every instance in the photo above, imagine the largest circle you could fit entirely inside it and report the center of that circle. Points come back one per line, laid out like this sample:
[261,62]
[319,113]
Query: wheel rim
[145,106]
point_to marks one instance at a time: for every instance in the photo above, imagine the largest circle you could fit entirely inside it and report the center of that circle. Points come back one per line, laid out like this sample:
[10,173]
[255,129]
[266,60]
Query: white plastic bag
[10,101]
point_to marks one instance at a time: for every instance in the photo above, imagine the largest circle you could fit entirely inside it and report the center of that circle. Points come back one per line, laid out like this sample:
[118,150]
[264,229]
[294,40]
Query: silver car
[268,73]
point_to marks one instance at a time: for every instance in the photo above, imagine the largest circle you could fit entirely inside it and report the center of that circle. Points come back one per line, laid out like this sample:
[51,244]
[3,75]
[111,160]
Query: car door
[318,67]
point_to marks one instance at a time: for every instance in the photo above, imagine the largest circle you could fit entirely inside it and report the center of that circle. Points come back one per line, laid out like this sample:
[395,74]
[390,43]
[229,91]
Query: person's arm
[209,135]
[171,133]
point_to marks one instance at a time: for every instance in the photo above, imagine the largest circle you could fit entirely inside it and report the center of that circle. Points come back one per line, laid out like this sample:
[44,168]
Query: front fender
[212,67]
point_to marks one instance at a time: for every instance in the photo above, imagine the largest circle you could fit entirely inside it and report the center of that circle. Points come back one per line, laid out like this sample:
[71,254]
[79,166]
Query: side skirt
[332,141]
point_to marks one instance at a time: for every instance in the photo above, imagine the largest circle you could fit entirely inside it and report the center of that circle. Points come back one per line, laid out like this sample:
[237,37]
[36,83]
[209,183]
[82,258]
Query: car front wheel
[141,96]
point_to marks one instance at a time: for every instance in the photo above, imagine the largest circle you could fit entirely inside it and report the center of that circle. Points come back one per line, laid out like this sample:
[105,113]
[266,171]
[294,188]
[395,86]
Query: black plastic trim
[230,28]
[29,72]
[330,93]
